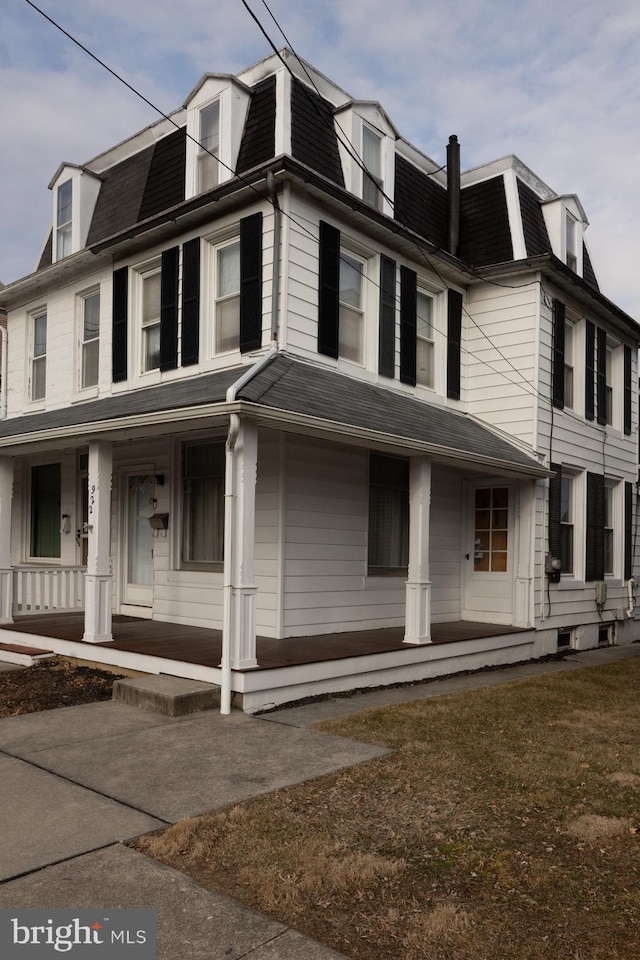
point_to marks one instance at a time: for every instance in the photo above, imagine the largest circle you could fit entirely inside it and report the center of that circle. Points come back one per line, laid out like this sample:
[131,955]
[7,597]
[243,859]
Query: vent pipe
[453,194]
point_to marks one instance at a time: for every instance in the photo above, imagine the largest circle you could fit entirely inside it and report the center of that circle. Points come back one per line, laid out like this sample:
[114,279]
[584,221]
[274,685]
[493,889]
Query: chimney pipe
[453,194]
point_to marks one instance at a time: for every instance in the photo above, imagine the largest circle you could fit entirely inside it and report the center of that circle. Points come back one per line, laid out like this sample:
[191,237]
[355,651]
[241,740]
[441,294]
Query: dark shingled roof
[259,136]
[46,258]
[313,136]
[165,182]
[536,237]
[120,196]
[420,203]
[309,389]
[587,269]
[485,235]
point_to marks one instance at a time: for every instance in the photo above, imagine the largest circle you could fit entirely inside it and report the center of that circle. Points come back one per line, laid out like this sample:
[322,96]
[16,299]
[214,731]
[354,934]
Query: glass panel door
[139,548]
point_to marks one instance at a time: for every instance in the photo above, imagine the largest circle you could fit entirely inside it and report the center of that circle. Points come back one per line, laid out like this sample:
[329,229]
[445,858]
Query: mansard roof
[145,183]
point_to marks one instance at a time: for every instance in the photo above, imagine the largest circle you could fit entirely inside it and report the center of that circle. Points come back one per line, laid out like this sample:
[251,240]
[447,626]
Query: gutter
[230,501]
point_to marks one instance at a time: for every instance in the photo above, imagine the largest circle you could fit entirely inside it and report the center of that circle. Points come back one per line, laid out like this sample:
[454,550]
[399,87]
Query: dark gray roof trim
[314,390]
[301,388]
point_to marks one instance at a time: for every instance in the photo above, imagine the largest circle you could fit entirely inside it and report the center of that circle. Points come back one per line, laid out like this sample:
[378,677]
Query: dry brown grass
[503,824]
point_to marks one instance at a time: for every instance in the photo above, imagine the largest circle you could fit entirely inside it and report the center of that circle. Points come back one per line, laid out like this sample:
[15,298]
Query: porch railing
[45,589]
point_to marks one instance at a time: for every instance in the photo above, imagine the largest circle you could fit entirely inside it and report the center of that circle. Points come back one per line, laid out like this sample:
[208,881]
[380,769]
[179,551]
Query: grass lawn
[504,824]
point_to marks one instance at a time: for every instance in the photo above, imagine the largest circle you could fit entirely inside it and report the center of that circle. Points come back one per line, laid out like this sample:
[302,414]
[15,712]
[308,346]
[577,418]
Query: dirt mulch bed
[50,684]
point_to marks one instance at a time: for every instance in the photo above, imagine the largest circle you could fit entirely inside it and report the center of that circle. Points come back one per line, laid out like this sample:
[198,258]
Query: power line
[521,383]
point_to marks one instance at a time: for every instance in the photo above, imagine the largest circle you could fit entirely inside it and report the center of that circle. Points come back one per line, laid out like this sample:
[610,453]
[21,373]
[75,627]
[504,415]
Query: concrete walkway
[76,782]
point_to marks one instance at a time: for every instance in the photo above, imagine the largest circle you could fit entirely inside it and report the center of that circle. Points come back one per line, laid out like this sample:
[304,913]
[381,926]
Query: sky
[556,83]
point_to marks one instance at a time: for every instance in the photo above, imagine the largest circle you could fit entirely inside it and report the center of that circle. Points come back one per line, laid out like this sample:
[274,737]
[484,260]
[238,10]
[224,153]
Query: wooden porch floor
[203,646]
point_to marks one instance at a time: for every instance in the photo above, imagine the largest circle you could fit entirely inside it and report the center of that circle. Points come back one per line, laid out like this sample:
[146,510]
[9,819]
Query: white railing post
[6,494]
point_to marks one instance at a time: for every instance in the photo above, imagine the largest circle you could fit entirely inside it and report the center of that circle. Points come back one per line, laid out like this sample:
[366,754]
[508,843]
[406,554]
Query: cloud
[556,84]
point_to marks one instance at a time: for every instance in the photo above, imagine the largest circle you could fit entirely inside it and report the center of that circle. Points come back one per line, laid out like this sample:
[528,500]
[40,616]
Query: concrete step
[171,696]
[24,656]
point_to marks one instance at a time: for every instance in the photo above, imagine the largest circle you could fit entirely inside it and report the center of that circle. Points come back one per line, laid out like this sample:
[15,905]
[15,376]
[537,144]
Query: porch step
[25,656]
[171,696]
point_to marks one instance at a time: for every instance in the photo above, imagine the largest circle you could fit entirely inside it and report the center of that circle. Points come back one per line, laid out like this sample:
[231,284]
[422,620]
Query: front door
[138,585]
[488,560]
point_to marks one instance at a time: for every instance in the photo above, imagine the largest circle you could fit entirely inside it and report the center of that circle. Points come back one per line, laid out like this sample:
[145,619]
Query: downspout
[630,595]
[453,194]
[229,518]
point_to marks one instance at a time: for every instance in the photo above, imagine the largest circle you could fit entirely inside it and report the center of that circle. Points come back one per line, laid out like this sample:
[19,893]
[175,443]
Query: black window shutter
[601,376]
[454,340]
[558,354]
[120,324]
[169,309]
[328,290]
[589,371]
[594,553]
[191,302]
[555,504]
[408,314]
[387,332]
[627,390]
[628,530]
[251,283]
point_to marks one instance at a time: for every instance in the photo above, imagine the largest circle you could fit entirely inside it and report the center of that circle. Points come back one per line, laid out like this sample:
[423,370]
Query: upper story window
[227,296]
[209,147]
[64,220]
[351,320]
[151,320]
[89,339]
[568,364]
[571,241]
[39,355]
[425,340]
[372,183]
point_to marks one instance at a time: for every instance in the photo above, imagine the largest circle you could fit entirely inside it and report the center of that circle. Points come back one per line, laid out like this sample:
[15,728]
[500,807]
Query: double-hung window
[566,523]
[203,466]
[609,527]
[208,147]
[351,319]
[151,284]
[388,543]
[227,297]
[568,364]
[372,184]
[89,339]
[608,373]
[63,219]
[425,345]
[571,241]
[39,356]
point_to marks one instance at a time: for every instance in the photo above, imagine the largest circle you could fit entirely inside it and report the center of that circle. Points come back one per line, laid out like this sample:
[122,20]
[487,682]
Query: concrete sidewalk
[76,782]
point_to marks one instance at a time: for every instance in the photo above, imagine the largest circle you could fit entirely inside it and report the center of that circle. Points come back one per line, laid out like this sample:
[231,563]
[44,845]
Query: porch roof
[311,393]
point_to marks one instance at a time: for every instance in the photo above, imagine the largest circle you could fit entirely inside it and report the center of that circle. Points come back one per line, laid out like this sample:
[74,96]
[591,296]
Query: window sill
[85,393]
[393,572]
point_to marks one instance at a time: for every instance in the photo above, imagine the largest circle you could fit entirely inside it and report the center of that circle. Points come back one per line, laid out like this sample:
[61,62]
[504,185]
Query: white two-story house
[290,409]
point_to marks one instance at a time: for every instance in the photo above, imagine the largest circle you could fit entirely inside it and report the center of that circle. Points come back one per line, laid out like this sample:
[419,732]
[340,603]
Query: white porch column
[97,610]
[418,603]
[6,573]
[240,558]
[525,553]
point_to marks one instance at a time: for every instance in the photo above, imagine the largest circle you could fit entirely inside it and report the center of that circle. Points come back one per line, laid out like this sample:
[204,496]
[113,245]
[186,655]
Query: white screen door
[138,588]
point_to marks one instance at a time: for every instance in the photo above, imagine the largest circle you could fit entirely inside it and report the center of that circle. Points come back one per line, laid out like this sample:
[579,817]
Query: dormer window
[571,243]
[372,189]
[209,145]
[64,220]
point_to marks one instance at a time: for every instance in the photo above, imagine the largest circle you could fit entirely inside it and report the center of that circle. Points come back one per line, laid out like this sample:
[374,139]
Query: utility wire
[523,383]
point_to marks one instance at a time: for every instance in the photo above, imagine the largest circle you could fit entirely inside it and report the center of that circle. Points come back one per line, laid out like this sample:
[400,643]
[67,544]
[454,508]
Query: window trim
[180,564]
[81,299]
[372,181]
[204,156]
[41,358]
